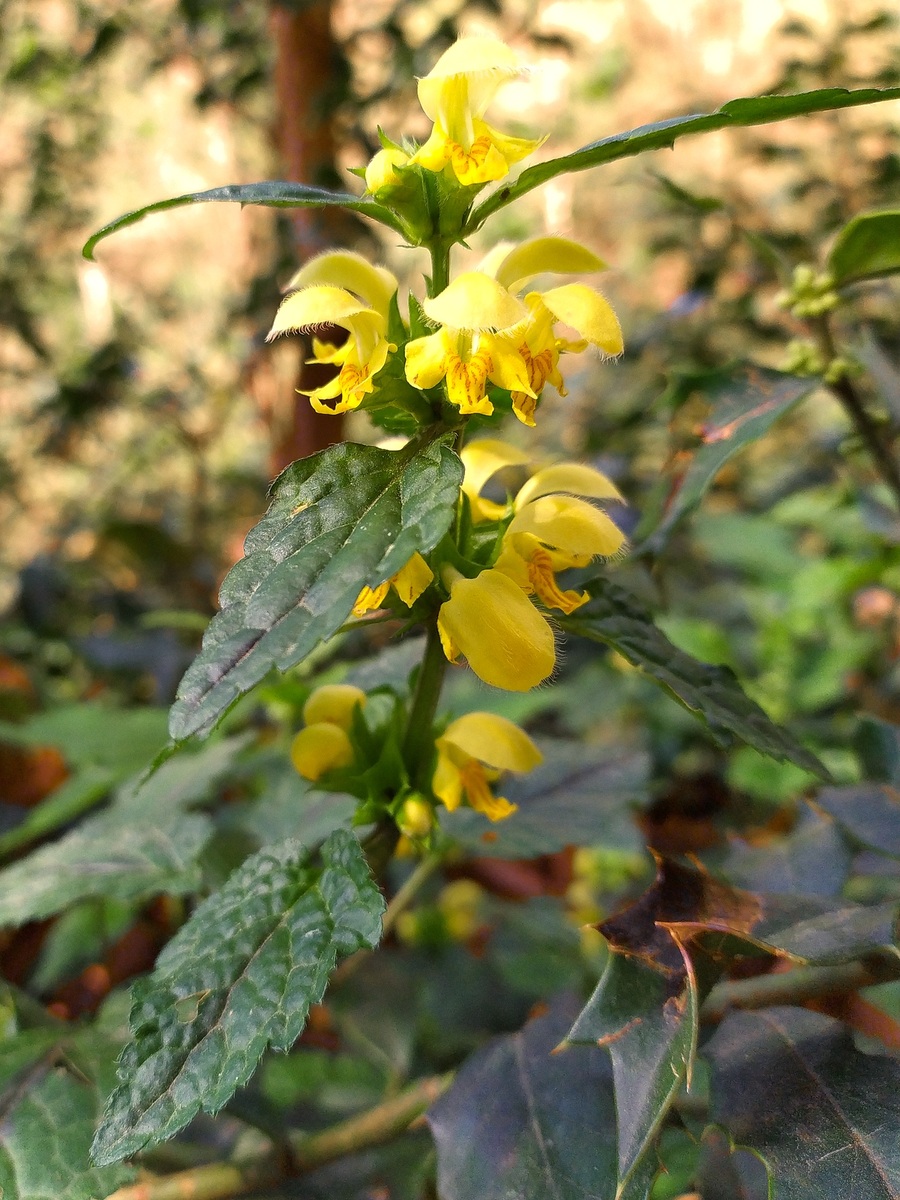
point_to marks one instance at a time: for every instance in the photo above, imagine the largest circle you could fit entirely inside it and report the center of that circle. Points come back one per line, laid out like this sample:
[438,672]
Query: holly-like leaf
[268,193]
[521,1121]
[744,408]
[869,812]
[814,859]
[647,1019]
[754,110]
[790,1085]
[867,246]
[126,858]
[239,977]
[48,1109]
[712,693]
[347,517]
[578,796]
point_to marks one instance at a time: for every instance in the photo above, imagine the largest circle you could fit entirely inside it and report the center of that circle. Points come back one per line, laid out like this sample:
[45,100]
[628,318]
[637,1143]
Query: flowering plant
[477,551]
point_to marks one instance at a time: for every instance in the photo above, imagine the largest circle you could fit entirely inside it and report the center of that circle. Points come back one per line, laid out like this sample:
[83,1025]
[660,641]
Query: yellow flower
[341,288]
[478,318]
[320,748]
[490,620]
[455,94]
[472,752]
[575,304]
[409,583]
[381,172]
[335,704]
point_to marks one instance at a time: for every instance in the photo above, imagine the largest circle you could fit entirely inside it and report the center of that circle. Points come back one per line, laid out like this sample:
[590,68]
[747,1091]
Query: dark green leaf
[813,860]
[614,617]
[790,1085]
[579,796]
[47,1118]
[521,1121]
[870,813]
[182,780]
[744,408]
[109,855]
[239,977]
[81,732]
[755,110]
[648,1021]
[348,516]
[289,807]
[867,246]
[269,194]
[728,1174]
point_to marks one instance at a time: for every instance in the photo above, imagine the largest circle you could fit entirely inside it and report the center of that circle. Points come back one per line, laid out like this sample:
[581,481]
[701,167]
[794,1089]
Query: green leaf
[867,246]
[813,860]
[47,1118]
[869,812]
[647,1020]
[578,796]
[755,110]
[790,1085]
[126,858]
[346,517]
[238,978]
[185,779]
[72,798]
[521,1121]
[744,409]
[289,807]
[94,735]
[269,194]
[712,693]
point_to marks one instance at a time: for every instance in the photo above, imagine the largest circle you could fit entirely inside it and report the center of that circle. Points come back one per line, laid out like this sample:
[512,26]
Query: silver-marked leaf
[269,194]
[108,855]
[867,246]
[239,977]
[346,517]
[712,693]
[790,1085]
[753,110]
[520,1121]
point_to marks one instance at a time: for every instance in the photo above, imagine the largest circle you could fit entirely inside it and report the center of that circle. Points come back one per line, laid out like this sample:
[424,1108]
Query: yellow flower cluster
[490,326]
[324,744]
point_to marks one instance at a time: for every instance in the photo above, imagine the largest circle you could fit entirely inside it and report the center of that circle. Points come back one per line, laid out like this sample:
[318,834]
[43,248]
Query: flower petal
[426,359]
[589,313]
[446,783]
[351,272]
[320,748]
[477,302]
[412,579]
[493,740]
[557,255]
[576,528]
[506,641]
[574,479]
[484,458]
[314,306]
[484,62]
[334,703]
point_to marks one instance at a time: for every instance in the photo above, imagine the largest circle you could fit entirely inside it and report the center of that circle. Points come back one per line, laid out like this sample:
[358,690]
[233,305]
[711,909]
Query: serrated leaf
[47,1119]
[268,193]
[126,858]
[870,813]
[521,1121]
[790,1085]
[744,408]
[647,1020]
[867,246]
[184,779]
[578,796]
[755,110]
[712,693]
[346,517]
[238,978]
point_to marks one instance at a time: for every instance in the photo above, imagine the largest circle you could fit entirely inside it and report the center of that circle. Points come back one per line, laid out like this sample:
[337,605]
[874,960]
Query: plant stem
[801,983]
[440,266]
[223,1180]
[866,426]
[409,890]
[417,744]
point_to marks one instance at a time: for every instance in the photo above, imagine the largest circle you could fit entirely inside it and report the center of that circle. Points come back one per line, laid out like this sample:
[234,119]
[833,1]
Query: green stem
[417,746]
[440,266]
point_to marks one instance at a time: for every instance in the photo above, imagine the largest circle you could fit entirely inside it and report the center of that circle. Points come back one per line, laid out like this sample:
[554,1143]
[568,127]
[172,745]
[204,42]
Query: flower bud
[416,817]
[380,172]
[334,704]
[320,748]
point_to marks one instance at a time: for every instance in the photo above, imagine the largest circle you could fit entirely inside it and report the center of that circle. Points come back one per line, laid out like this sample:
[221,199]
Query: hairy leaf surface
[268,193]
[346,517]
[238,978]
[711,692]
[754,110]
[790,1085]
